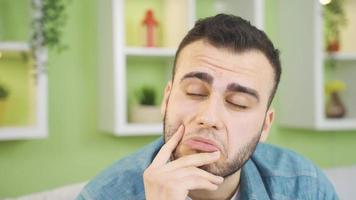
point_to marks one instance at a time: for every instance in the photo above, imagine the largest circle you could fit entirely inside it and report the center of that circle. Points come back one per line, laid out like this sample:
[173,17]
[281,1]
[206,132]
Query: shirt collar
[251,184]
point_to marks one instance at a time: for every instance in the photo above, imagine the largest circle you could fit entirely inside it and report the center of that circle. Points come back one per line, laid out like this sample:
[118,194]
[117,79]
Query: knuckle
[148,174]
[165,147]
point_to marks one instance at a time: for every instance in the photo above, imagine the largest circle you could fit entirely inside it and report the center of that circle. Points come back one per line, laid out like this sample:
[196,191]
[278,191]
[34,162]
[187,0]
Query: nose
[209,114]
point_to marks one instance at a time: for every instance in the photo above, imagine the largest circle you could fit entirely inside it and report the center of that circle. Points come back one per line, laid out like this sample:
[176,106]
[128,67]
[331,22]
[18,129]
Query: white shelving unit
[39,128]
[301,95]
[113,105]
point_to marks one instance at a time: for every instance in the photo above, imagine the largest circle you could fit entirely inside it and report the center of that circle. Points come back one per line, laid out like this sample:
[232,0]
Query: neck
[225,191]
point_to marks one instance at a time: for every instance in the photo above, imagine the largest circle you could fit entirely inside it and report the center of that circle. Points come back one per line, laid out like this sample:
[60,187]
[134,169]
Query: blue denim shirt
[270,173]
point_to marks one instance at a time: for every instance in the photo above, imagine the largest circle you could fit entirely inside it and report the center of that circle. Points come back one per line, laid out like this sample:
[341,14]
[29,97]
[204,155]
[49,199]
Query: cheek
[177,113]
[242,130]
[179,108]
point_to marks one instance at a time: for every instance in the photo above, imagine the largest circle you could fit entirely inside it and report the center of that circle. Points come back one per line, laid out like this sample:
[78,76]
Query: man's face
[221,98]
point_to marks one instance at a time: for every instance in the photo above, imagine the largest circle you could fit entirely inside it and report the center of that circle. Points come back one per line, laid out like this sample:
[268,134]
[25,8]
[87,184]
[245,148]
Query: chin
[211,168]
[222,167]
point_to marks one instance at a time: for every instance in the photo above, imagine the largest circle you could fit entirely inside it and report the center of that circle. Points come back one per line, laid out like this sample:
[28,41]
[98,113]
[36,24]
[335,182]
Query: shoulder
[277,161]
[124,172]
[288,174]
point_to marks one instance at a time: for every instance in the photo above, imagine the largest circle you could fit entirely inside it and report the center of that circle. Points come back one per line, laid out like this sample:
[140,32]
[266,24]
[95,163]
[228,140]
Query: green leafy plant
[334,20]
[146,96]
[50,18]
[4,93]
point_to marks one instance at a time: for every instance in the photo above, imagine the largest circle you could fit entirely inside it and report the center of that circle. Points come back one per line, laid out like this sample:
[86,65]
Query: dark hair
[236,34]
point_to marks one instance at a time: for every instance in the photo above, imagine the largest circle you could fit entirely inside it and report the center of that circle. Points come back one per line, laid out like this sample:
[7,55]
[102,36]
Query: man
[216,115]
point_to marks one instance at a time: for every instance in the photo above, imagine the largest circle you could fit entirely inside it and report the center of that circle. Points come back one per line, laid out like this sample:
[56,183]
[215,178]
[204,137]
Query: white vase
[146,114]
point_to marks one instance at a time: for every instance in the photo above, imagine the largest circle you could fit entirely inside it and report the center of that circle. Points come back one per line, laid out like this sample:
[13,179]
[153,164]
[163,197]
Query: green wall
[75,150]
[14,12]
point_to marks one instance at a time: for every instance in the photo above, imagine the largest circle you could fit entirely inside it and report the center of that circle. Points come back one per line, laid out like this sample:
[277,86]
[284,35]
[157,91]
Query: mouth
[201,144]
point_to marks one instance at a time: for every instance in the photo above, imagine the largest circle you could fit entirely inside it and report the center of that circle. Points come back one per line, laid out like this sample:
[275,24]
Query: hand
[173,180]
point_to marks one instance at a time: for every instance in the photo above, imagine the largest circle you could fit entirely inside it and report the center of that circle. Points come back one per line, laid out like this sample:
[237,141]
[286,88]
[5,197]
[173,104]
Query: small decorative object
[150,22]
[334,107]
[146,111]
[334,20]
[4,93]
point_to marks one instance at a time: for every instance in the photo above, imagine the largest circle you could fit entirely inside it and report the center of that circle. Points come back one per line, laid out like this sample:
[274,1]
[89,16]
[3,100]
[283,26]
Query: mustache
[207,132]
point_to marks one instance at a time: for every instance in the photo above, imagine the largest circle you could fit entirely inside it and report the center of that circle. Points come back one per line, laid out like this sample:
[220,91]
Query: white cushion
[67,192]
[344,180]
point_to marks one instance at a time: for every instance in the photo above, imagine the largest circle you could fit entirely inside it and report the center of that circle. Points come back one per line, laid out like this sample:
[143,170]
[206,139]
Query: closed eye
[236,105]
[196,94]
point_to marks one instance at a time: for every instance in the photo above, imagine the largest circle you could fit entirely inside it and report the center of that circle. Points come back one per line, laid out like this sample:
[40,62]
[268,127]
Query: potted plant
[146,109]
[334,106]
[334,20]
[4,93]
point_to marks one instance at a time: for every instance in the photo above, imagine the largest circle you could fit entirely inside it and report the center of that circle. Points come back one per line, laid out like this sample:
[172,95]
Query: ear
[167,92]
[267,124]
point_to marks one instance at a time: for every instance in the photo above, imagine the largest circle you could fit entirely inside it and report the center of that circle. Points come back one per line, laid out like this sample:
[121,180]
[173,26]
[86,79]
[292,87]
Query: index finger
[166,150]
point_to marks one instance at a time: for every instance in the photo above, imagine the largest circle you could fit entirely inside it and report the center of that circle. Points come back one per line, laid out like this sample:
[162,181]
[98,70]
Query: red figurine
[150,23]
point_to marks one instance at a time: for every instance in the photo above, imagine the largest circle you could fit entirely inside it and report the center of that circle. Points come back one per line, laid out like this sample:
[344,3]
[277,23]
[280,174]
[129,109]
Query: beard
[220,168]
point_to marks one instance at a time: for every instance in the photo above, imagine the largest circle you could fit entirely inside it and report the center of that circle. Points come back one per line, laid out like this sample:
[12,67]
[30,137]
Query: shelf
[14,46]
[342,56]
[338,124]
[150,51]
[16,133]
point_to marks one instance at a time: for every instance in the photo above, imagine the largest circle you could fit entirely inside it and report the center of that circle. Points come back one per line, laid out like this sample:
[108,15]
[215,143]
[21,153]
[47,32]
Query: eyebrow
[235,87]
[199,75]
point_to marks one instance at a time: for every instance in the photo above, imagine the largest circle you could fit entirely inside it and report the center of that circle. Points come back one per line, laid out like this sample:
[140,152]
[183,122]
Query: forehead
[250,68]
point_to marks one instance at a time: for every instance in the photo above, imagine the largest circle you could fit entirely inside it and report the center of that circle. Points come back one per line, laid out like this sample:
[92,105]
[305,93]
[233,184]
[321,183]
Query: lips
[201,144]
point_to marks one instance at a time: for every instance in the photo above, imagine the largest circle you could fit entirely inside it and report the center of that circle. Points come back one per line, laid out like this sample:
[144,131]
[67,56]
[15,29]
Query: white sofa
[344,180]
[67,192]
